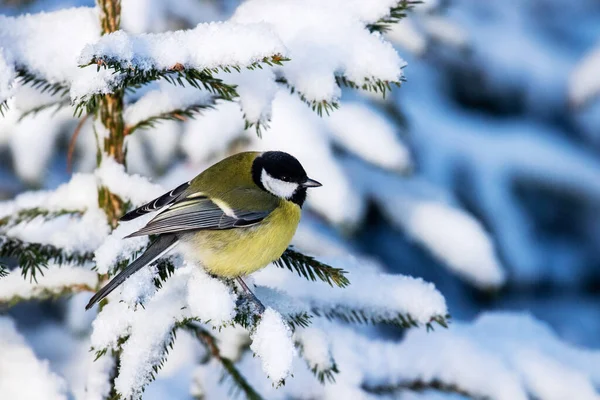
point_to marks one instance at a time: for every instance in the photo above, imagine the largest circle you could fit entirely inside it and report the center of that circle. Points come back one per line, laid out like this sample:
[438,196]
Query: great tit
[234,218]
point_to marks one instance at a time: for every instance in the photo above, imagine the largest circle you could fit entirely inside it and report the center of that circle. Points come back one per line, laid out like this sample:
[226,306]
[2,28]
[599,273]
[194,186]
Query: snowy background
[480,174]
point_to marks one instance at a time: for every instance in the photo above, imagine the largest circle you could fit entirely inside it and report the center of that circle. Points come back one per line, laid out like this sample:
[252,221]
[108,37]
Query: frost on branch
[23,375]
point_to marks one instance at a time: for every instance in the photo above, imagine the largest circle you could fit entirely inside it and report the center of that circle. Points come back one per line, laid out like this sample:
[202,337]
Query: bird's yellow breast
[241,251]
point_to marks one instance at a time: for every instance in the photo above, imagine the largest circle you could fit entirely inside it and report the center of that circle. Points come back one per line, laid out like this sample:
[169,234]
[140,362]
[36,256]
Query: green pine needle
[33,258]
[173,115]
[312,269]
[3,270]
[396,13]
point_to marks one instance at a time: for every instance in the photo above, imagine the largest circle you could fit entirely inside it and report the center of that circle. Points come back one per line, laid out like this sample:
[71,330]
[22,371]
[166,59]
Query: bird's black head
[282,175]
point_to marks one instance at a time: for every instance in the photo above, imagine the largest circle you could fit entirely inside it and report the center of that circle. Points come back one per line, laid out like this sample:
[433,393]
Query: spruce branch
[357,316]
[240,383]
[46,293]
[173,115]
[312,269]
[418,386]
[32,258]
[397,12]
[58,105]
[30,214]
[132,77]
[369,85]
[59,89]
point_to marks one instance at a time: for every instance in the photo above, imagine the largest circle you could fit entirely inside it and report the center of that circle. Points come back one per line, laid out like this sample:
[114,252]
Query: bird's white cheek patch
[278,187]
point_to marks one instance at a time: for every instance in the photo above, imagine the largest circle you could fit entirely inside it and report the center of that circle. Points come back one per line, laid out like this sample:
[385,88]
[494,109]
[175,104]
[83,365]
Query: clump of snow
[207,46]
[376,295]
[112,323]
[366,133]
[139,287]
[272,342]
[257,90]
[584,83]
[46,42]
[55,280]
[329,32]
[210,299]
[23,376]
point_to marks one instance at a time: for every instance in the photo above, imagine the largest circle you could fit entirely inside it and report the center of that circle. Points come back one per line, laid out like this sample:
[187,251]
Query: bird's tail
[159,247]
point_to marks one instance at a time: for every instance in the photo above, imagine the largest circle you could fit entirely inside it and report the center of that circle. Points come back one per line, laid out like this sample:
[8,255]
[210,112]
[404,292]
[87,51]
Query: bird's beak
[310,183]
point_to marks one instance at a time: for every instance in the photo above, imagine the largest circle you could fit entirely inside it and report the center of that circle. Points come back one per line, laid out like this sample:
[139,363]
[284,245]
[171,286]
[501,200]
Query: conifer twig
[396,13]
[34,257]
[211,344]
[312,269]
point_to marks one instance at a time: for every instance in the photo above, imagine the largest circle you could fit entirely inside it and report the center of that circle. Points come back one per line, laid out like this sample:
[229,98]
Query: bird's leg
[251,296]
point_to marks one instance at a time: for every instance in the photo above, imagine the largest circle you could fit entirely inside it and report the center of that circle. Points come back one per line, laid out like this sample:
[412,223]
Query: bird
[234,218]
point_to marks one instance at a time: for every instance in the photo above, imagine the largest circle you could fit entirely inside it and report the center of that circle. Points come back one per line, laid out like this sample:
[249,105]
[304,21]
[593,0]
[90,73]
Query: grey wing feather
[159,202]
[197,214]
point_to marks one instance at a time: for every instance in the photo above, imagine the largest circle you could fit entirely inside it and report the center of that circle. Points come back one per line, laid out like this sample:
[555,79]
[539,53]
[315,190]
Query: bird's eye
[285,178]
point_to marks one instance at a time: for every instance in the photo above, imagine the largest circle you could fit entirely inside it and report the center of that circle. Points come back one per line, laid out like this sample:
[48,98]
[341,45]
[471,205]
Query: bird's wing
[158,203]
[200,212]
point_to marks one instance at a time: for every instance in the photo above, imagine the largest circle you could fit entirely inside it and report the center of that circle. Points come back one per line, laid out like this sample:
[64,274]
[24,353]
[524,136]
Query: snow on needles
[23,376]
[45,43]
[272,342]
[208,46]
[325,39]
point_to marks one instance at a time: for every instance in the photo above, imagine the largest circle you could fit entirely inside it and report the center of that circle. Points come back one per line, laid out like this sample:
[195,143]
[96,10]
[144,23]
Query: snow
[115,248]
[377,295]
[112,323]
[99,373]
[134,188]
[55,280]
[504,356]
[7,76]
[23,376]
[210,299]
[150,333]
[210,135]
[45,42]
[71,233]
[272,342]
[366,133]
[315,348]
[584,80]
[207,46]
[324,39]
[164,99]
[257,90]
